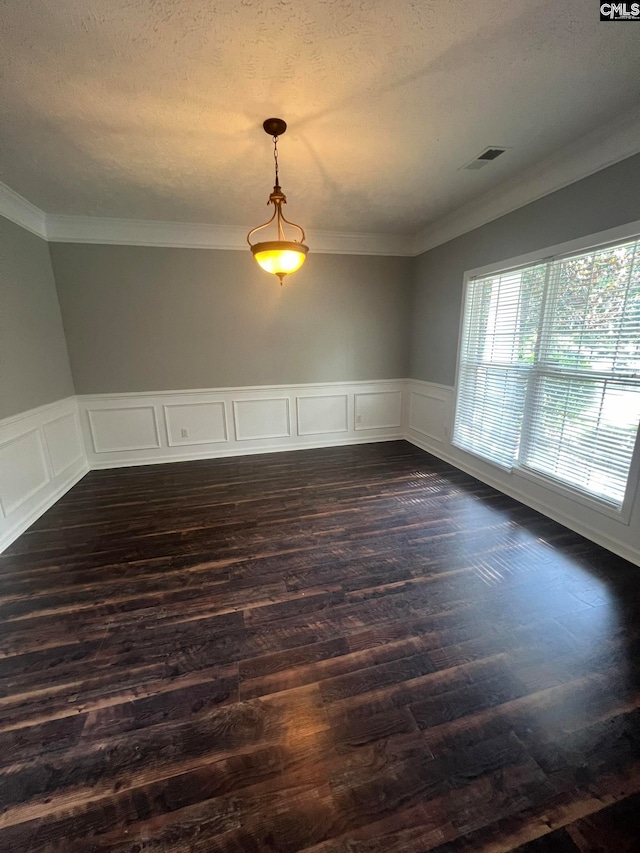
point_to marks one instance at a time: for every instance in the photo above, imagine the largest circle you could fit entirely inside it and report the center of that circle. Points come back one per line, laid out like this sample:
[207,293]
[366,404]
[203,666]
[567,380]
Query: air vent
[491,153]
[484,159]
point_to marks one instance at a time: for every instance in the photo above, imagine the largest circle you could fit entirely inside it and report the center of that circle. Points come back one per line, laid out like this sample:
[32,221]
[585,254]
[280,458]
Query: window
[549,369]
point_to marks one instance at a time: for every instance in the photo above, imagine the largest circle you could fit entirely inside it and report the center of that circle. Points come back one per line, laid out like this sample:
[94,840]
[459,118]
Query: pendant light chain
[275,158]
[278,203]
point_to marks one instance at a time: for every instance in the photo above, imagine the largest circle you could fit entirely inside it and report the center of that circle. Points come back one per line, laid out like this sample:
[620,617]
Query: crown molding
[16,208]
[57,228]
[603,147]
[333,243]
[186,235]
[141,232]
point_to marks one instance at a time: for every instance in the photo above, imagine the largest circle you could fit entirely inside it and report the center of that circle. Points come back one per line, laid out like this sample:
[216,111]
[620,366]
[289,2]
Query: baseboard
[41,457]
[235,452]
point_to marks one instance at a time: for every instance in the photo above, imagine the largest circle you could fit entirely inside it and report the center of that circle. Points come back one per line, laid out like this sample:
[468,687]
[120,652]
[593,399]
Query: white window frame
[591,241]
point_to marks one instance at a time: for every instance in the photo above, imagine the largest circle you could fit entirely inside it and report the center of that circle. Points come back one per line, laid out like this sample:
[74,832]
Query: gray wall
[147,319]
[608,198]
[34,365]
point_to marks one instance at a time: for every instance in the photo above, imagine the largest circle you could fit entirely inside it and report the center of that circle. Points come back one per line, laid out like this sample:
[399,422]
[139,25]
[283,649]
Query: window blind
[549,369]
[501,319]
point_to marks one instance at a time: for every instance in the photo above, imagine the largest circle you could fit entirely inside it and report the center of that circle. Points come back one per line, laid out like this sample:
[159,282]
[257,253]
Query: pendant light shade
[280,256]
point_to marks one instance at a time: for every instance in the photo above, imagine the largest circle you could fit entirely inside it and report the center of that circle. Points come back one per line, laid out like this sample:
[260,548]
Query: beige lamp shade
[280,257]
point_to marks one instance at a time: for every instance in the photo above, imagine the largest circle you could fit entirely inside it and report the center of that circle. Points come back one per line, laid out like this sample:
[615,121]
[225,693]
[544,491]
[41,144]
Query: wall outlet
[184,433]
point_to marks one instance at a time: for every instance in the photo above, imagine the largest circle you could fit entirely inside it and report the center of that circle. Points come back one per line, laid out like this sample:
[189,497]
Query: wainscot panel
[169,426]
[381,409]
[41,457]
[196,423]
[323,414]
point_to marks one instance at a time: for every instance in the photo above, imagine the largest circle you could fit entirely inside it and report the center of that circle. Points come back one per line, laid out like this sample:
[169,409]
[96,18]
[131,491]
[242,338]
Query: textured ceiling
[152,109]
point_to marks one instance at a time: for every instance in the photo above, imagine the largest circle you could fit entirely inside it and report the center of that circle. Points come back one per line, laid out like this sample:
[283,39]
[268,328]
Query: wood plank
[352,649]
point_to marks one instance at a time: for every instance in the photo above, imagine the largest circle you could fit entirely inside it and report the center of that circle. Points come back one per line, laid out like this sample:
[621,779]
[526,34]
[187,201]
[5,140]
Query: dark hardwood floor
[354,649]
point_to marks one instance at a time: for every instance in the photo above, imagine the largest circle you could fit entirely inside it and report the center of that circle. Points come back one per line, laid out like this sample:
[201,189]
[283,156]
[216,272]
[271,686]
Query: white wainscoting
[41,456]
[169,426]
[124,428]
[322,414]
[261,418]
[429,418]
[429,410]
[195,423]
[430,426]
[45,451]
[380,409]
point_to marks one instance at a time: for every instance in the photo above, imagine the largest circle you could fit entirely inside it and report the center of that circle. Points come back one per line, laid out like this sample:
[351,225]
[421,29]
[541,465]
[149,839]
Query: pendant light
[279,256]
